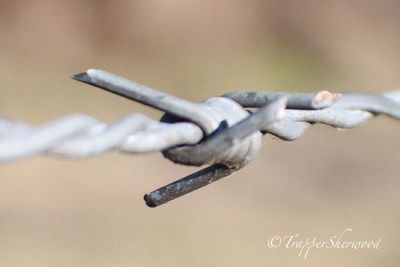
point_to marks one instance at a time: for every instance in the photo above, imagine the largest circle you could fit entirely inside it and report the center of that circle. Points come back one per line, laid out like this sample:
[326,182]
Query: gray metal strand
[319,100]
[349,111]
[149,96]
[286,129]
[79,135]
[133,133]
[189,184]
[388,104]
[166,136]
[27,143]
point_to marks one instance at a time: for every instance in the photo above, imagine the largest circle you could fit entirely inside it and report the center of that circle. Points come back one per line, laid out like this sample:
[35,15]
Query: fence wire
[220,131]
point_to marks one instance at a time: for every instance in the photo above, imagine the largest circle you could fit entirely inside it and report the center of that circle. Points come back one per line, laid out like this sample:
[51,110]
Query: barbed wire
[219,131]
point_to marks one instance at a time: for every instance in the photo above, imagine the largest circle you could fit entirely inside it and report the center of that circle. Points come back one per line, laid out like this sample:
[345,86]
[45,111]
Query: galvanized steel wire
[218,131]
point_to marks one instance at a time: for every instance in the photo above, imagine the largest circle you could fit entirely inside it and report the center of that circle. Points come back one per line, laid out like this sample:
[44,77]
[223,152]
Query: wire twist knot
[225,113]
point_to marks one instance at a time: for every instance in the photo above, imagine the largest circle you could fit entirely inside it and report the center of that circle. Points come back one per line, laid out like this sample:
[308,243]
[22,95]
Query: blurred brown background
[90,212]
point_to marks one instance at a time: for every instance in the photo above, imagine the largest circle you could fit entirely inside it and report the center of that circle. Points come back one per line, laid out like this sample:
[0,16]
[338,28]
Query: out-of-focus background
[90,212]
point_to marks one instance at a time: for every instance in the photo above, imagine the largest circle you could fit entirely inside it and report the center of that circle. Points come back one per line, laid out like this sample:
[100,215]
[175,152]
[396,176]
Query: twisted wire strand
[348,111]
[218,131]
[79,135]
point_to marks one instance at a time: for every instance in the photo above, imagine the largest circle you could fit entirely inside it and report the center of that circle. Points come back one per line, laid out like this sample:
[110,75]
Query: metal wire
[219,131]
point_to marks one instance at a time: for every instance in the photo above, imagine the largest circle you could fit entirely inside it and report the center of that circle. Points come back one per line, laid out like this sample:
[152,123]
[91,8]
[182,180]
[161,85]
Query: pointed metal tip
[324,99]
[148,199]
[82,77]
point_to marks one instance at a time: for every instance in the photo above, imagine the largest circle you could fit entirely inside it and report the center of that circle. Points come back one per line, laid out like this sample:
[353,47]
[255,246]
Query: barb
[218,131]
[151,97]
[212,147]
[188,184]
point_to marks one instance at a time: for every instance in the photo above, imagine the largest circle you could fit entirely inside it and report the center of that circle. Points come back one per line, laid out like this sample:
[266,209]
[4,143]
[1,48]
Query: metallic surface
[218,131]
